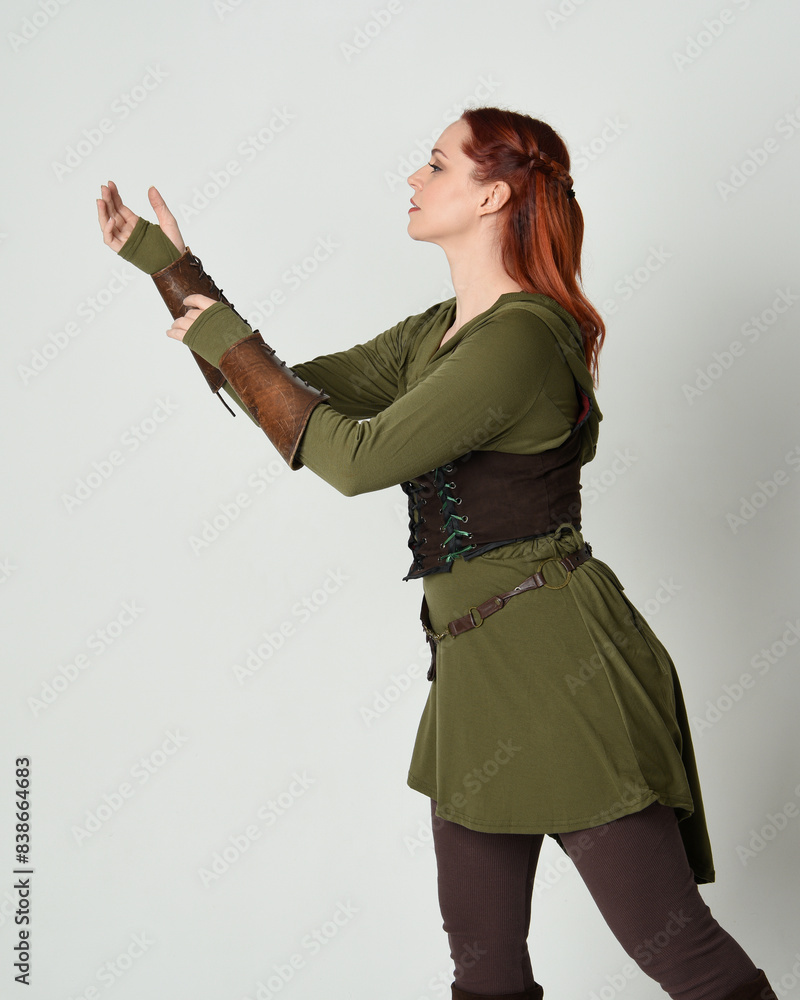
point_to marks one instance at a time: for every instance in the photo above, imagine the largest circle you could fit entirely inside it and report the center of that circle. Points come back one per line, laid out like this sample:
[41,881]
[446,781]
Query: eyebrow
[434,150]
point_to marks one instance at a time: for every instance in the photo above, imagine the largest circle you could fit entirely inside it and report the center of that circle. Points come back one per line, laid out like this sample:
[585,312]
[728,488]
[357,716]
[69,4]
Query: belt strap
[476,616]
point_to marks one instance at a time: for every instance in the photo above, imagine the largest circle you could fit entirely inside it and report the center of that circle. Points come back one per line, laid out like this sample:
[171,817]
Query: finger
[185,321]
[108,201]
[123,213]
[112,199]
[109,233]
[166,219]
[161,209]
[116,200]
[102,213]
[158,203]
[111,209]
[199,300]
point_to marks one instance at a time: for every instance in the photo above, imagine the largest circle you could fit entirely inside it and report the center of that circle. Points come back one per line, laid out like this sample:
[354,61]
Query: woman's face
[449,206]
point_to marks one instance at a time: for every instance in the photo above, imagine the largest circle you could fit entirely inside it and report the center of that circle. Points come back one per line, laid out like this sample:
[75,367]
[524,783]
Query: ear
[495,197]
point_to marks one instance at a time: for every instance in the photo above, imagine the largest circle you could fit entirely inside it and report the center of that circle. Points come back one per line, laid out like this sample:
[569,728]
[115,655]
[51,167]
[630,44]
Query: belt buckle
[549,585]
[479,622]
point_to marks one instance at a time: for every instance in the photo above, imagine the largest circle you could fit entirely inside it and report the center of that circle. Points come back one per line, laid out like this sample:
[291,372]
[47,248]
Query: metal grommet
[465,518]
[479,622]
[457,501]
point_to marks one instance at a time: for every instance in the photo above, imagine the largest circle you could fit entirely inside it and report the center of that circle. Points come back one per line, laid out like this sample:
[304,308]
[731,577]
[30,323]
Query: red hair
[541,232]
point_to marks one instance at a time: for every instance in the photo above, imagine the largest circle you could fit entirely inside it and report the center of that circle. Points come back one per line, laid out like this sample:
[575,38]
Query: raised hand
[117,220]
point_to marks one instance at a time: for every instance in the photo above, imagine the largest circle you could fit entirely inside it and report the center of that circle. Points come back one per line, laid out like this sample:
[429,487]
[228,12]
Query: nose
[415,179]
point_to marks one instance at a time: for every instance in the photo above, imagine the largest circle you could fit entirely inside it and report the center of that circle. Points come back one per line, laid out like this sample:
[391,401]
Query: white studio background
[204,831]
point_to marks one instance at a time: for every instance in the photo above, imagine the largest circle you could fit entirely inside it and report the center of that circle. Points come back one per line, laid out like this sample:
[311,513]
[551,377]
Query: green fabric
[506,389]
[148,248]
[563,711]
[214,331]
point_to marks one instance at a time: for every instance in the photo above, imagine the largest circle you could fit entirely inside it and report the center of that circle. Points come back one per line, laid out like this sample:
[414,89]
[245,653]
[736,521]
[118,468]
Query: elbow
[352,486]
[348,482]
[345,470]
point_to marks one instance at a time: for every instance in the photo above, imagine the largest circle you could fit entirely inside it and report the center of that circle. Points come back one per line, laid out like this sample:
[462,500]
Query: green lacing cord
[456,532]
[450,556]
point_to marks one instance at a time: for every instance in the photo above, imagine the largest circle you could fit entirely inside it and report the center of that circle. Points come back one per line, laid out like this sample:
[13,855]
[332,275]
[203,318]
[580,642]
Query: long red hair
[541,232]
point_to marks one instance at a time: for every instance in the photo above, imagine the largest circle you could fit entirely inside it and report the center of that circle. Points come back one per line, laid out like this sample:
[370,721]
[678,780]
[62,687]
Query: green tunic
[564,710]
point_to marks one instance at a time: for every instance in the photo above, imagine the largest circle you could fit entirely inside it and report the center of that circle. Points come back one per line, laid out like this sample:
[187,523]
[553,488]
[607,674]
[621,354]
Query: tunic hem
[564,826]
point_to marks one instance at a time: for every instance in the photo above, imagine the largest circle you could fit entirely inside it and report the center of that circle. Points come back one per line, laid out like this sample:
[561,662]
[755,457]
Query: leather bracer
[185,276]
[278,399]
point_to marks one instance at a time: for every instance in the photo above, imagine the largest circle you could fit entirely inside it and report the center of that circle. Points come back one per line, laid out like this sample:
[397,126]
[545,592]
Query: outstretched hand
[117,220]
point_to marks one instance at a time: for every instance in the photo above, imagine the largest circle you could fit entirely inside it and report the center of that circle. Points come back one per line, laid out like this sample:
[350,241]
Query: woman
[553,708]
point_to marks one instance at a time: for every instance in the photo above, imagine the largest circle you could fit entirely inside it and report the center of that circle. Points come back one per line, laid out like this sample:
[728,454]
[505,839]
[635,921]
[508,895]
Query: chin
[419,237]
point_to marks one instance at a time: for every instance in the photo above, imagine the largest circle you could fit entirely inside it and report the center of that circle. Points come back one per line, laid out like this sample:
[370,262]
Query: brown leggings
[635,868]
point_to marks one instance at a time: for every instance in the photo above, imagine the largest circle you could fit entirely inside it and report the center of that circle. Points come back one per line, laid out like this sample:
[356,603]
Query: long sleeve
[363,380]
[477,393]
[471,397]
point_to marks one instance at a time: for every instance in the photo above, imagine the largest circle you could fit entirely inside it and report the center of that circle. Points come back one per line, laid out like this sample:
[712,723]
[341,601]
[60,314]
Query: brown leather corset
[490,498]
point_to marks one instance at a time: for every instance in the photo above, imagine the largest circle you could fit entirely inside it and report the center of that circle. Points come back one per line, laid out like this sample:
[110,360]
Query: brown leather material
[489,498]
[183,277]
[476,616]
[280,401]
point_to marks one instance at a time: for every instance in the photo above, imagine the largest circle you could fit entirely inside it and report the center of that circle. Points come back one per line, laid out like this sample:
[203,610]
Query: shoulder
[426,318]
[414,327]
[526,325]
[540,310]
[549,324]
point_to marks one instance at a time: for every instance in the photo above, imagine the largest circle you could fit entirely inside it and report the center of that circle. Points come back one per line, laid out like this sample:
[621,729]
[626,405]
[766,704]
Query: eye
[434,167]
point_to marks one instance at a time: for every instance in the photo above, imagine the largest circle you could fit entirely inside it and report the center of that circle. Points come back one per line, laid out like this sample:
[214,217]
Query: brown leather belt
[476,616]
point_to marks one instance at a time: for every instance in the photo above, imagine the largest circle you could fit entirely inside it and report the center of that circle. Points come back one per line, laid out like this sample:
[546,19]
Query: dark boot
[756,989]
[534,993]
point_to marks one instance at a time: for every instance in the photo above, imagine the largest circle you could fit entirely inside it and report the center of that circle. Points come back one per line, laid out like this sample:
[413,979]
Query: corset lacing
[452,521]
[416,499]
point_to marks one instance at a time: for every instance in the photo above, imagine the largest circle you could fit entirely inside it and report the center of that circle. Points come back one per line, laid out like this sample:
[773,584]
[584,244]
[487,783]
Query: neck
[479,279]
